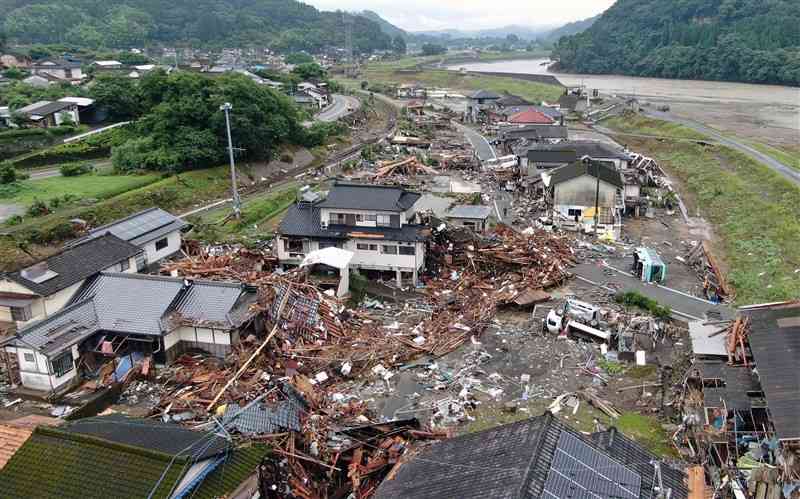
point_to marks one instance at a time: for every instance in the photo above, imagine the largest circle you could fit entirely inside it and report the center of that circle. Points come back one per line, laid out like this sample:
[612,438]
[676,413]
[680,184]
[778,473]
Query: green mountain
[754,41]
[387,27]
[572,28]
[285,25]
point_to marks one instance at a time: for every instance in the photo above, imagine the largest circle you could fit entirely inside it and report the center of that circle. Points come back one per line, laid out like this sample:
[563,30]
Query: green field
[787,155]
[638,124]
[755,212]
[96,186]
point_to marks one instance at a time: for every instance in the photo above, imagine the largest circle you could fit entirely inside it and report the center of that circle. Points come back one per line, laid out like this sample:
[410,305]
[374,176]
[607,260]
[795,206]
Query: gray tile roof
[551,156]
[302,220]
[78,262]
[484,94]
[139,304]
[141,227]
[369,197]
[579,168]
[532,131]
[535,458]
[470,211]
[44,108]
[591,148]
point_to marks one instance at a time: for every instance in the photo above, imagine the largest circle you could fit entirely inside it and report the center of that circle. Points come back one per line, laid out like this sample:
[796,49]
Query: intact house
[480,103]
[375,223]
[537,458]
[45,114]
[42,289]
[118,314]
[62,69]
[575,190]
[474,217]
[157,232]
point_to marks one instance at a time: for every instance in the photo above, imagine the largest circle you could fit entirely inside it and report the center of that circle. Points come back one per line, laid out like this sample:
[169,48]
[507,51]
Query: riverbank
[755,212]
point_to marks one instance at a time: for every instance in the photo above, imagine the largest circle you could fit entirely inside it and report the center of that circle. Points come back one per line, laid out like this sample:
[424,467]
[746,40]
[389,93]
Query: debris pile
[408,166]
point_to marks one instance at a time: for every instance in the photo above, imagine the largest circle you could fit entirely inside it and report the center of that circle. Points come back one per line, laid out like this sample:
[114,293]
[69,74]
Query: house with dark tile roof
[538,458]
[42,289]
[157,232]
[120,457]
[374,222]
[117,314]
[46,114]
[578,191]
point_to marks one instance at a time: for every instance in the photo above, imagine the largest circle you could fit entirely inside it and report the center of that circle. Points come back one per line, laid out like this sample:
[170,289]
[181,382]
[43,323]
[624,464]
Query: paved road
[786,171]
[341,107]
[683,304]
[482,147]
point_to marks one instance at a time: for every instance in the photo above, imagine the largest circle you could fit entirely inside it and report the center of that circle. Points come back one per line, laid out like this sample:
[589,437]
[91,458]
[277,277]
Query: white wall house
[151,315]
[157,232]
[40,290]
[574,191]
[375,223]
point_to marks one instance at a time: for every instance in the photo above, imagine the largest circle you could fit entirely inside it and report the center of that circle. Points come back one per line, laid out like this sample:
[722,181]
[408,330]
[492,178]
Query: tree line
[730,40]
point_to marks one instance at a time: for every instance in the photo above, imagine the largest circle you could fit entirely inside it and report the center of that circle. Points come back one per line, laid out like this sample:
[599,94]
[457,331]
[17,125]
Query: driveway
[342,106]
[785,171]
[482,147]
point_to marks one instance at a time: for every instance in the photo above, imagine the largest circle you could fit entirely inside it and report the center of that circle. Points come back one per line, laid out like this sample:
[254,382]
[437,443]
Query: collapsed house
[535,458]
[375,223]
[114,315]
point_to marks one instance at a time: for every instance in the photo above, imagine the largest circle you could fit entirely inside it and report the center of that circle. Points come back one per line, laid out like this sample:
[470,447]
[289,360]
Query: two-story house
[374,222]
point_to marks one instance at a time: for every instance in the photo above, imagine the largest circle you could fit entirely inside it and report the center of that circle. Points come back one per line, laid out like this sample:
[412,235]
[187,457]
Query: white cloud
[416,15]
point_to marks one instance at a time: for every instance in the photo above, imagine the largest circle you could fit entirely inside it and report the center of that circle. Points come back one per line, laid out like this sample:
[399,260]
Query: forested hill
[286,25]
[754,41]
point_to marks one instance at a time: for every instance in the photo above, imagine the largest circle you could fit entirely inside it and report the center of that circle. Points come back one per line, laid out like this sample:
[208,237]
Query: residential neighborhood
[274,251]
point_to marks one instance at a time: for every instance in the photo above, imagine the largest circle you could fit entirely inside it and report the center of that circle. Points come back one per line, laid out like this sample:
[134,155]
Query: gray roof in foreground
[139,304]
[470,211]
[579,168]
[591,148]
[369,197]
[141,227]
[535,458]
[78,262]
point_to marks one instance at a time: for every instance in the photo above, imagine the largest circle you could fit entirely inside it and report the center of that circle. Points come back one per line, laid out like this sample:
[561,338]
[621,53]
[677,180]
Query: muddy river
[766,112]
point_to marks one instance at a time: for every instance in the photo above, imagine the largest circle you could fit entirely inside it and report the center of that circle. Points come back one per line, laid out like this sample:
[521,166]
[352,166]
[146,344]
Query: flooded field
[768,113]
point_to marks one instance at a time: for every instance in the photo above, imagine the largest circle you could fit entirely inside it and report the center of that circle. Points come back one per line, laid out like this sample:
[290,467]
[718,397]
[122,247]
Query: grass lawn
[755,212]
[787,155]
[638,124]
[81,187]
[647,431]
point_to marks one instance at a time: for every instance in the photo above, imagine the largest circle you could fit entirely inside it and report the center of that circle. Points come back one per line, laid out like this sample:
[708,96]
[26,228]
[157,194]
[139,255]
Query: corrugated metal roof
[141,227]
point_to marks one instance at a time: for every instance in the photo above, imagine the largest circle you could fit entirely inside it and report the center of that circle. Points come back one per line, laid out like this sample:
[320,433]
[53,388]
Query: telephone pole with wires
[237,203]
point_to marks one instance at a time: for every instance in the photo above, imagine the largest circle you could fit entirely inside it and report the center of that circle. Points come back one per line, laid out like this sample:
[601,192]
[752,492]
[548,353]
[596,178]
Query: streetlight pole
[237,204]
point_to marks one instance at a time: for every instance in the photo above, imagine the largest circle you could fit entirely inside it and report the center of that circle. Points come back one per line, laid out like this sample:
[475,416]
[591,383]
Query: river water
[767,112]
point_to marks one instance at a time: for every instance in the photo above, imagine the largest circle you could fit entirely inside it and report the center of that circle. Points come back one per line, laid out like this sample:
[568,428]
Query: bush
[636,299]
[75,169]
[39,208]
[8,174]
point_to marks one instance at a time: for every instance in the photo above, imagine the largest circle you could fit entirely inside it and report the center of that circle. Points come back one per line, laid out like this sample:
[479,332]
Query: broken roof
[44,108]
[484,95]
[535,458]
[470,211]
[74,264]
[510,100]
[369,197]
[139,228]
[531,116]
[138,304]
[579,168]
[551,156]
[532,131]
[775,343]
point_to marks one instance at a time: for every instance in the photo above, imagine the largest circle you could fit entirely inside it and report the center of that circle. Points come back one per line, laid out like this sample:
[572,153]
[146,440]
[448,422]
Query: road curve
[785,171]
[342,106]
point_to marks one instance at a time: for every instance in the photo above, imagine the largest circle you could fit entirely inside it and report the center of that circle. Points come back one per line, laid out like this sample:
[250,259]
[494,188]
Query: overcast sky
[417,15]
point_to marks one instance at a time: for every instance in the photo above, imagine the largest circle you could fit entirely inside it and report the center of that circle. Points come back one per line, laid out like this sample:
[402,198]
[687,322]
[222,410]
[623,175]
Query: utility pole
[596,194]
[237,204]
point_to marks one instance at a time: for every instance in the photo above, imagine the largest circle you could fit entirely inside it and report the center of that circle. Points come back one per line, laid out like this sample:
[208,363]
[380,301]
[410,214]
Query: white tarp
[336,258]
[705,344]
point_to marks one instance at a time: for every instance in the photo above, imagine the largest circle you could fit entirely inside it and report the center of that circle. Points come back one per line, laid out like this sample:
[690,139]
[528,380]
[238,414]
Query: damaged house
[42,289]
[578,191]
[375,223]
[535,458]
[114,314]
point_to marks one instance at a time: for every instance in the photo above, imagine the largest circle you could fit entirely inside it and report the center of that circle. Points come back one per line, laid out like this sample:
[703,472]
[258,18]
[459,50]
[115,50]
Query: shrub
[75,169]
[8,174]
[39,208]
[636,299]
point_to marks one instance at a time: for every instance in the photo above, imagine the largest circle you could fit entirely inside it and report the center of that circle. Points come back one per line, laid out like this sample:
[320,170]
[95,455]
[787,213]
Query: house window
[573,212]
[384,221]
[62,364]
[362,247]
[388,250]
[29,357]
[338,219]
[161,244]
[407,250]
[370,218]
[294,245]
[21,313]
[373,247]
[124,265]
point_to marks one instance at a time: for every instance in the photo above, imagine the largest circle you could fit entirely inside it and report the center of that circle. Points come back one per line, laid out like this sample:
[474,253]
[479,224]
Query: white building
[40,290]
[154,230]
[116,314]
[376,223]
[574,191]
